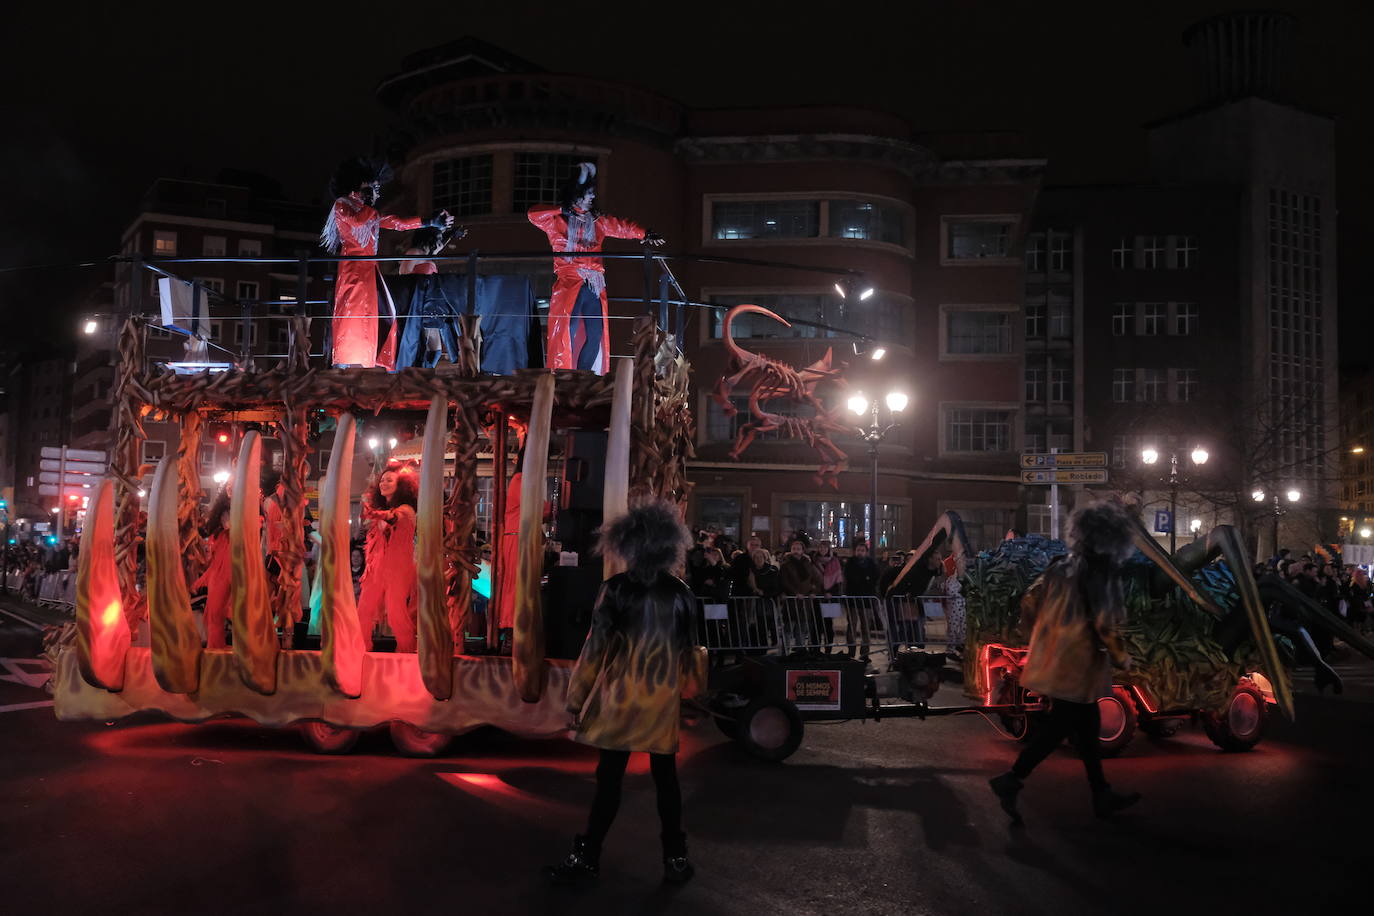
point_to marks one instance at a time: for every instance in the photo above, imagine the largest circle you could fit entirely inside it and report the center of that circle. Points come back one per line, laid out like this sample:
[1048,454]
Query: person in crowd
[1361,599]
[742,564]
[711,579]
[640,659]
[801,579]
[357,565]
[954,608]
[1280,560]
[389,586]
[697,555]
[218,572]
[832,583]
[1075,611]
[861,572]
[553,554]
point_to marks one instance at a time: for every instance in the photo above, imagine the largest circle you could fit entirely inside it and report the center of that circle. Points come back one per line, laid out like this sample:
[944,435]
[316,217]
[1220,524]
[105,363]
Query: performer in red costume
[578,303]
[352,229]
[218,573]
[389,582]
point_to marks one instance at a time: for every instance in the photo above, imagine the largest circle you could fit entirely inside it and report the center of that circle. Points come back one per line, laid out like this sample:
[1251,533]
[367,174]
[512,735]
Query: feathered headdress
[348,177]
[648,540]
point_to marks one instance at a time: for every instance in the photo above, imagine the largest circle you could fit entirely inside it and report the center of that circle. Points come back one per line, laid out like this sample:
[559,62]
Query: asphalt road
[150,816]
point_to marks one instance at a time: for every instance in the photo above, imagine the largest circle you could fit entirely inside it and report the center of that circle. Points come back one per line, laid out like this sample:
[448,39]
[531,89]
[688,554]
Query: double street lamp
[1150,455]
[1292,495]
[874,435]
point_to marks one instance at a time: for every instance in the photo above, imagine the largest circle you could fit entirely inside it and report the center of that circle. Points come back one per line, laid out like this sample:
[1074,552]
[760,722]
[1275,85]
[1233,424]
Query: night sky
[102,99]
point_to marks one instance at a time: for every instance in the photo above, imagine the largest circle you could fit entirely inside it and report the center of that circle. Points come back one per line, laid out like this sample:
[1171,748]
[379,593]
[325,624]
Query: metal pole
[1173,502]
[1277,511]
[1054,500]
[874,438]
[61,496]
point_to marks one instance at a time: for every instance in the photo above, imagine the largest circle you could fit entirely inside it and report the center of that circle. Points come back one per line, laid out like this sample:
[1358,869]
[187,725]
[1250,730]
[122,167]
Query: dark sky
[102,99]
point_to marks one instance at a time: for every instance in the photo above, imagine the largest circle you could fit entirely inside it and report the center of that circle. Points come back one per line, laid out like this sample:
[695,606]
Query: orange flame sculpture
[341,638]
[435,648]
[102,633]
[255,639]
[176,640]
[527,640]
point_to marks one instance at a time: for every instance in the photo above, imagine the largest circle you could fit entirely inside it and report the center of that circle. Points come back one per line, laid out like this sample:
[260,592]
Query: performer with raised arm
[578,303]
[352,229]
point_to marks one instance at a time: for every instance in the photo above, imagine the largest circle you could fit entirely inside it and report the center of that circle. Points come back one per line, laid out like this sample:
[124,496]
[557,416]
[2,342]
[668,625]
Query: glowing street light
[878,353]
[1293,496]
[374,443]
[392,442]
[1195,526]
[858,404]
[221,477]
[1257,495]
[1149,455]
[91,326]
[866,294]
[1199,455]
[875,433]
[896,401]
[1365,532]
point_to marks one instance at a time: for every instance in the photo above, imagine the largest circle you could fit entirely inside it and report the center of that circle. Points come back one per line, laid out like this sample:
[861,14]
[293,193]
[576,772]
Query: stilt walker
[579,329]
[352,229]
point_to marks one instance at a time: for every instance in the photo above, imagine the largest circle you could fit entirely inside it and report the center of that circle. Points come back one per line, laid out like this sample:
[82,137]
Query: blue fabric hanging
[505,303]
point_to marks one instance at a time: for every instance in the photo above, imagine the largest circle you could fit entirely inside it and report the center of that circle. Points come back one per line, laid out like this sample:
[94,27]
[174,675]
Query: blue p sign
[1164,521]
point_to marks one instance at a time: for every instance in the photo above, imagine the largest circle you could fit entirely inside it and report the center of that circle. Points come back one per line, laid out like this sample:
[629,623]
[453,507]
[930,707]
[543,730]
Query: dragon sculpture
[773,380]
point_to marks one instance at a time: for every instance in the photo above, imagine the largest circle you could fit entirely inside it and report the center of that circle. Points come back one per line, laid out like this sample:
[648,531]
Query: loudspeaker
[586,470]
[569,598]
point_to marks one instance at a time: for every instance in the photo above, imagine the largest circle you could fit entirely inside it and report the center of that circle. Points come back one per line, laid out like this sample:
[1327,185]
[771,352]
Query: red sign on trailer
[814,689]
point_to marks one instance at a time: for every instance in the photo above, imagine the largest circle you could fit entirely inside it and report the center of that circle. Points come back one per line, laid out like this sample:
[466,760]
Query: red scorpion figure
[770,380]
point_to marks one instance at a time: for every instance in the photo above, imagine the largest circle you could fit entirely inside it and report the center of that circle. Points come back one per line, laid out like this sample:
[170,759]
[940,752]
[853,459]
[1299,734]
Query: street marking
[16,707]
[18,675]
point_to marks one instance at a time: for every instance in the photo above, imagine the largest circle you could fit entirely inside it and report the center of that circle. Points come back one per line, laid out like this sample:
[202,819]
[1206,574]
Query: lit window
[862,219]
[765,219]
[1123,385]
[1035,385]
[1152,250]
[1152,317]
[980,332]
[1185,318]
[1154,384]
[1123,316]
[538,176]
[977,239]
[977,429]
[1123,255]
[1035,253]
[463,186]
[1187,384]
[841,521]
[214,246]
[164,242]
[250,248]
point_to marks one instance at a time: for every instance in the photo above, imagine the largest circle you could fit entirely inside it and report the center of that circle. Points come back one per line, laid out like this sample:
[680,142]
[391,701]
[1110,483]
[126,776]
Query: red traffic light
[223,438]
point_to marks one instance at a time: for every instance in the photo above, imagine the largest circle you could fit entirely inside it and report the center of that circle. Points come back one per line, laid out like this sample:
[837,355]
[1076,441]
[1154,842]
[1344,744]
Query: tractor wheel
[1241,725]
[1118,722]
[769,729]
[329,739]
[416,742]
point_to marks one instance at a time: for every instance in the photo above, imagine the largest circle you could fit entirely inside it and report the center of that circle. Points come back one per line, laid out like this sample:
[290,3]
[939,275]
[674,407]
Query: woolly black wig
[649,539]
[431,240]
[581,180]
[354,173]
[1102,532]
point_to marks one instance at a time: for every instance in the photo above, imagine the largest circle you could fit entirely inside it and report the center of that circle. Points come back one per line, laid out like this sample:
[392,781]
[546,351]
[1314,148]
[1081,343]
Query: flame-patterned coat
[641,657]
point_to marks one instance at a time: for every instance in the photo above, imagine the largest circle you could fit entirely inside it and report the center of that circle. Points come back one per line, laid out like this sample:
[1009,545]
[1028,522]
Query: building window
[1123,385]
[247,289]
[212,283]
[1154,384]
[215,207]
[153,451]
[1123,316]
[977,429]
[1152,251]
[164,242]
[463,186]
[984,527]
[1035,385]
[539,176]
[863,219]
[1061,252]
[1152,318]
[1123,255]
[977,332]
[214,246]
[797,308]
[252,333]
[1033,441]
[765,219]
[1035,253]
[1060,385]
[722,428]
[1185,318]
[1187,384]
[1035,320]
[977,239]
[841,521]
[1185,251]
[1061,320]
[250,248]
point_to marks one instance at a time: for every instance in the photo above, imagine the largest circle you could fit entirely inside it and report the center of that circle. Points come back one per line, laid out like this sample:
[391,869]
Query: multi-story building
[1200,308]
[39,394]
[935,232]
[1357,456]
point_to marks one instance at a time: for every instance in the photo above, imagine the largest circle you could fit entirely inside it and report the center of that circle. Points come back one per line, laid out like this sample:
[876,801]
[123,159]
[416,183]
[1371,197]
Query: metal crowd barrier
[55,589]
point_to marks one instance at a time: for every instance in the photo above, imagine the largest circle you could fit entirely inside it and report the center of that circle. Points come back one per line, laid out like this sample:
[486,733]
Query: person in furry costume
[1075,610]
[641,657]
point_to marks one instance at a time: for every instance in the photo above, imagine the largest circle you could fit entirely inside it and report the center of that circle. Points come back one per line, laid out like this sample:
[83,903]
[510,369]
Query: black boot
[677,868]
[1006,787]
[582,864]
[1107,801]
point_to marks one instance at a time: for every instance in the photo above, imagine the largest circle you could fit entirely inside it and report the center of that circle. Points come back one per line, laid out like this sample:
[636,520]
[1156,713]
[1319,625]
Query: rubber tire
[329,739]
[1118,722]
[416,742]
[769,729]
[1242,725]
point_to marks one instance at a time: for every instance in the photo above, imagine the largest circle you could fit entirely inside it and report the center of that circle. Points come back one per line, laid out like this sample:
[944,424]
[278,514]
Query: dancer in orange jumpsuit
[218,574]
[389,582]
[352,229]
[578,303]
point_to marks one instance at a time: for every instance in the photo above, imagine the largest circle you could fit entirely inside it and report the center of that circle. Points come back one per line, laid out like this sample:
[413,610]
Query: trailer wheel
[416,742]
[769,729]
[1118,722]
[1241,725]
[329,739]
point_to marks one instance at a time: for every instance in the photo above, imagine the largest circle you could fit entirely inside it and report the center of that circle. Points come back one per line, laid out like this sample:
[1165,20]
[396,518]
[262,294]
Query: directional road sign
[1061,475]
[1064,460]
[73,454]
[72,467]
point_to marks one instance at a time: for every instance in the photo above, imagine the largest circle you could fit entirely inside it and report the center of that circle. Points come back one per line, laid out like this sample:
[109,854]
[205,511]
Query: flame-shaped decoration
[435,634]
[616,496]
[341,637]
[255,638]
[176,640]
[527,640]
[102,633]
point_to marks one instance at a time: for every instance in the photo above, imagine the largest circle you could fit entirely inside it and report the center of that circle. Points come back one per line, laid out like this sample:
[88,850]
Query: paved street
[151,816]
